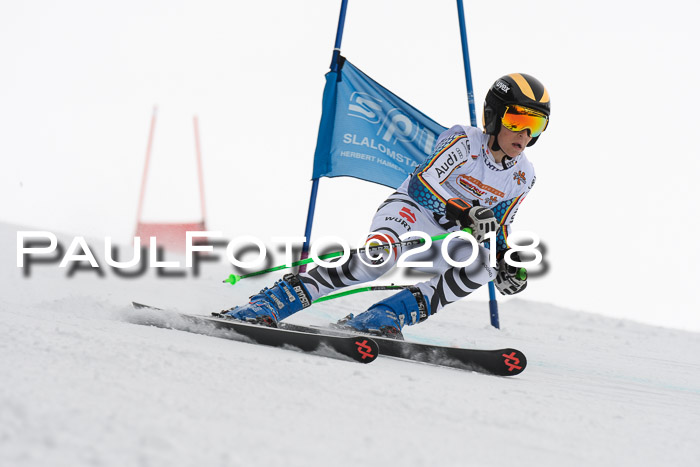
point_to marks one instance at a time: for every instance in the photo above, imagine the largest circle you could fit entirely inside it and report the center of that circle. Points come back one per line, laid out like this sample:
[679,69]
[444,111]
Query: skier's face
[513,142]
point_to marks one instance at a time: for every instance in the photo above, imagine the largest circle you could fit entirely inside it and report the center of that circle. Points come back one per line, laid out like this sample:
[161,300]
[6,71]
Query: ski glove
[478,218]
[510,279]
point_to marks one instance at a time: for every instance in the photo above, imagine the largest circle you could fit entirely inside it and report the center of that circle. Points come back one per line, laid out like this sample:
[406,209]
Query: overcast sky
[616,194]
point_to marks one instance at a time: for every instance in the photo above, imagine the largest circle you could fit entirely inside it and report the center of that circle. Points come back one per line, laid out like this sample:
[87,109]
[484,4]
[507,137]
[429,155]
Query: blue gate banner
[367,132]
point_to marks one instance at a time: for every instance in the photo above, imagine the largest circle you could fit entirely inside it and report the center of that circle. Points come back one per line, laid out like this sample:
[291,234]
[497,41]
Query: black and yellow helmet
[514,89]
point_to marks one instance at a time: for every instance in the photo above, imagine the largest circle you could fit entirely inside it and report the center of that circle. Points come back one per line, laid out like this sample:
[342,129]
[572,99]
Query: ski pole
[360,289]
[234,278]
[521,274]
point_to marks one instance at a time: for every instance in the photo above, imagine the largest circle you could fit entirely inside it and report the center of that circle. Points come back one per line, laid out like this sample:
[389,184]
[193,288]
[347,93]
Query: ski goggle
[519,118]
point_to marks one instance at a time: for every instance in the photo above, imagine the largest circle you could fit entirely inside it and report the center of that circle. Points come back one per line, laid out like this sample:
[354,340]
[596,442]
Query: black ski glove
[478,218]
[510,279]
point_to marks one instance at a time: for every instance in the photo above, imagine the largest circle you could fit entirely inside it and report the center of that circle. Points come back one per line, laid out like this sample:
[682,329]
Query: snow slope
[82,386]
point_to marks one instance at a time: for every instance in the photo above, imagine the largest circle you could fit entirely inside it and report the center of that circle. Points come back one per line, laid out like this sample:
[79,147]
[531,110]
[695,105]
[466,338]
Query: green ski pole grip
[521,274]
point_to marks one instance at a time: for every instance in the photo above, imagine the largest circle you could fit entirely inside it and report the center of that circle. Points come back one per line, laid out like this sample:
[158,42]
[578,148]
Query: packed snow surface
[82,385]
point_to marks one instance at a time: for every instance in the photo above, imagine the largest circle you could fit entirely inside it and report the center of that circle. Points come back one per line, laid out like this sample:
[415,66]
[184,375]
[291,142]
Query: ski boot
[271,305]
[388,317]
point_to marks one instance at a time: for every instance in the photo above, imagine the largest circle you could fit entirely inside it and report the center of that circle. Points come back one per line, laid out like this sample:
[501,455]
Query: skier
[472,179]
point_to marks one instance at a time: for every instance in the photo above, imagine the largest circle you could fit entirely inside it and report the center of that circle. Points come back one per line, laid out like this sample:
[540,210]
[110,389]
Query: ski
[500,362]
[361,349]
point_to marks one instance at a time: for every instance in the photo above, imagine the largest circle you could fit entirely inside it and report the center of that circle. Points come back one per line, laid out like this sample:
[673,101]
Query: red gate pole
[145,166]
[199,168]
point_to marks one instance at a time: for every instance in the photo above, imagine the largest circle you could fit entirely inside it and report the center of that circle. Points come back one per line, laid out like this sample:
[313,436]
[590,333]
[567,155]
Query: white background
[615,200]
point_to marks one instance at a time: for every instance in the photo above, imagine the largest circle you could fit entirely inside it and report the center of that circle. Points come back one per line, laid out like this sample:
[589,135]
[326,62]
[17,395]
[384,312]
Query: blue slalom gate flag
[367,132]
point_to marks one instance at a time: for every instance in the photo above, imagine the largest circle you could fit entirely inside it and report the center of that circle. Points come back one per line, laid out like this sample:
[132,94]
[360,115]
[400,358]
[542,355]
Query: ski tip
[365,349]
[514,362]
